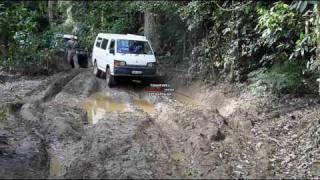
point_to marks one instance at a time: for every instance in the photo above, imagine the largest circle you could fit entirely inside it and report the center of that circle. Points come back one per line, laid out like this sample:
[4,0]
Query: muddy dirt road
[70,125]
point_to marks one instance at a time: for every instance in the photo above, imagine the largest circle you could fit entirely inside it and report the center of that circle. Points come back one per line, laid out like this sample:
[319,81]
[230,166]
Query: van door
[96,52]
[93,50]
[104,53]
[110,54]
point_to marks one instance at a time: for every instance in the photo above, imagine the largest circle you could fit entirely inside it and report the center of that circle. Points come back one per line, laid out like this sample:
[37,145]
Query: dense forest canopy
[270,44]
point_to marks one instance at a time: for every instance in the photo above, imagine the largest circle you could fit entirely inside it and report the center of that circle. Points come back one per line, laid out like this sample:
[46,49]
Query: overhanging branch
[234,9]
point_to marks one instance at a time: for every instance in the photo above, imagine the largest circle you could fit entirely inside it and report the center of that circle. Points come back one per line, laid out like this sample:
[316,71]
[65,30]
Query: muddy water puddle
[144,105]
[99,105]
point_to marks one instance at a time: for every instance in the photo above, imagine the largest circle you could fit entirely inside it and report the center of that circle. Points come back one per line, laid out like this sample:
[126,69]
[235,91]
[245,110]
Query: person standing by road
[72,52]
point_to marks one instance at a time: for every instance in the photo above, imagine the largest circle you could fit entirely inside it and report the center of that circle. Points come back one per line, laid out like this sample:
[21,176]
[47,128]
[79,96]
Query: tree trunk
[86,6]
[50,11]
[318,34]
[151,29]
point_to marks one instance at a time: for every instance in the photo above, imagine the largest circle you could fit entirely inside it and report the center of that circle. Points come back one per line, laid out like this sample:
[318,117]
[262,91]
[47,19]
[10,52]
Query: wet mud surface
[70,125]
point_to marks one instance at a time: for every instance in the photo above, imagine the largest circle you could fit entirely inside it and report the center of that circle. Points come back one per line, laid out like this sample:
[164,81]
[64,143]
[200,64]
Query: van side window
[104,44]
[111,45]
[98,42]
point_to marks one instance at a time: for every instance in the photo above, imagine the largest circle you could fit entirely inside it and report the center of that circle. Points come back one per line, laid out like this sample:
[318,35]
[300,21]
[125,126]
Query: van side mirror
[112,51]
[155,53]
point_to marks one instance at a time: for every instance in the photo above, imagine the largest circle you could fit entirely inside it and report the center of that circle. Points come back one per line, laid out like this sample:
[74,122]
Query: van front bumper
[131,70]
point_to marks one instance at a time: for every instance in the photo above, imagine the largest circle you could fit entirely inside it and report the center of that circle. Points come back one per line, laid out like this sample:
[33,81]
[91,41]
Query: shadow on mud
[137,84]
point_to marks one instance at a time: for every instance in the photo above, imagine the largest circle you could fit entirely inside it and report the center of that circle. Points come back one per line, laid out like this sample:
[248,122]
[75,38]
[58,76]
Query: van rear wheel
[110,80]
[96,71]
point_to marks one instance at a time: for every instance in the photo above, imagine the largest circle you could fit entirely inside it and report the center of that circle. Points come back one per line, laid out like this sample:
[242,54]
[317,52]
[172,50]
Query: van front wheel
[109,78]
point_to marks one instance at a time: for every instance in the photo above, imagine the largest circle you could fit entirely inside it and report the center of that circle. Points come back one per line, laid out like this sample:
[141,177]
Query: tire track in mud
[64,119]
[145,130]
[54,88]
[178,158]
[177,140]
[69,97]
[134,142]
[171,159]
[31,117]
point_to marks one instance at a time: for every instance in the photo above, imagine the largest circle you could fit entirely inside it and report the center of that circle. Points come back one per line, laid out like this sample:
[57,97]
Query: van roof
[122,36]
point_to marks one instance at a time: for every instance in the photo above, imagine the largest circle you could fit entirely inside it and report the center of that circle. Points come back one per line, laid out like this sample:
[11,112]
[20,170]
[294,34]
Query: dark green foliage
[282,77]
[271,44]
[257,38]
[105,17]
[26,31]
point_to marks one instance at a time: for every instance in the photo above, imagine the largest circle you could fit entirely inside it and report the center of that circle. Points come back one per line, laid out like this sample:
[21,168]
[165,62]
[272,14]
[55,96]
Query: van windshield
[133,47]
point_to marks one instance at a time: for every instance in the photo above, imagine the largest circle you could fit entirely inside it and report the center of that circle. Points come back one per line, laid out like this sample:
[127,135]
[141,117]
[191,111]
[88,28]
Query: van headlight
[151,64]
[117,63]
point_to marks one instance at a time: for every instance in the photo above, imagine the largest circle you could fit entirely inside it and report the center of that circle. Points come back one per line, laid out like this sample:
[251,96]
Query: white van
[122,55]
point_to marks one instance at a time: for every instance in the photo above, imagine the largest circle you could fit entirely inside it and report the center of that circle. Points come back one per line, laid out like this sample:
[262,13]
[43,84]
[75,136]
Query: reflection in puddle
[98,105]
[185,98]
[55,167]
[144,105]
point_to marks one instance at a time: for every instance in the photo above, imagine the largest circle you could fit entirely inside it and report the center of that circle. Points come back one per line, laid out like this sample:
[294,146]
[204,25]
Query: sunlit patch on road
[97,105]
[183,98]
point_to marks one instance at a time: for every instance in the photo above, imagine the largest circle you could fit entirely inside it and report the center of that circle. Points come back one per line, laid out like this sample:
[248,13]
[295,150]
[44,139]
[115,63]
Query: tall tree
[151,29]
[318,33]
[50,11]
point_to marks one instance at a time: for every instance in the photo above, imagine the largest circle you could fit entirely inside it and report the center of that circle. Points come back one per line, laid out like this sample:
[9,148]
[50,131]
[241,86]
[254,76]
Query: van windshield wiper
[121,52]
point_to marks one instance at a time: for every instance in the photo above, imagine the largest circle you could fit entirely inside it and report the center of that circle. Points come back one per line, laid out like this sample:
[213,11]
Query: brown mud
[70,125]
